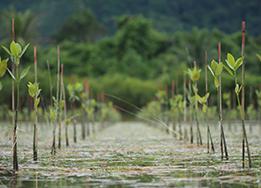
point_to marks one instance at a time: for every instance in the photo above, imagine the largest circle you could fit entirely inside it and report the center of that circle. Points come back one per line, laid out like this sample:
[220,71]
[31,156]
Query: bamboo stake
[244,140]
[59,101]
[65,106]
[35,136]
[209,137]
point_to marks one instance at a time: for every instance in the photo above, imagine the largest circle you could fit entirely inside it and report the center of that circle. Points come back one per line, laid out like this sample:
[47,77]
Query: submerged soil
[129,154]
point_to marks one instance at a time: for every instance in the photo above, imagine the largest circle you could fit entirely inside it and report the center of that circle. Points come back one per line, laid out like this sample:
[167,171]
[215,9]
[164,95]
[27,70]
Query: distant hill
[168,15]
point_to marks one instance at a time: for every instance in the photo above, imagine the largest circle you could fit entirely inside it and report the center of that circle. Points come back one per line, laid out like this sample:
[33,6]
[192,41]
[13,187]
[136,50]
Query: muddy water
[129,154]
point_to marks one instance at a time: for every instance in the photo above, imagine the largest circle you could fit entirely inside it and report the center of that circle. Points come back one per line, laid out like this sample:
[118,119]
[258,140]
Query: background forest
[131,48]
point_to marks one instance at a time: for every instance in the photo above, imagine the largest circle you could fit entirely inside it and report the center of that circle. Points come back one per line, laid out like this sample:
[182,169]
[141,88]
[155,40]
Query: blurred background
[131,48]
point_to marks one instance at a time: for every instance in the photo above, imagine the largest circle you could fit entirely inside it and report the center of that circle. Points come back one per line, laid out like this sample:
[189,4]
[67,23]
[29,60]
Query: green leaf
[239,62]
[259,57]
[3,67]
[205,98]
[213,65]
[33,89]
[194,74]
[11,74]
[7,51]
[24,50]
[230,72]
[198,98]
[238,89]
[211,71]
[219,69]
[216,68]
[1,86]
[24,73]
[231,61]
[15,49]
[216,82]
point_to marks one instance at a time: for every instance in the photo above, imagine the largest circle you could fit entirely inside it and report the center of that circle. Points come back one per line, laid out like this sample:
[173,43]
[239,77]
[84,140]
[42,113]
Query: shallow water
[129,154]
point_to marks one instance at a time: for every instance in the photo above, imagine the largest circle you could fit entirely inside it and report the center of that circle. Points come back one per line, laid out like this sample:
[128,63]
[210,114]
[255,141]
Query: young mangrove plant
[74,91]
[176,110]
[194,75]
[16,52]
[34,92]
[89,108]
[163,101]
[216,69]
[84,96]
[57,106]
[232,67]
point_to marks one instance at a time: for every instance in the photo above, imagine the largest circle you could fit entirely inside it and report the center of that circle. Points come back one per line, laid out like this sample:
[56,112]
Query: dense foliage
[168,15]
[135,61]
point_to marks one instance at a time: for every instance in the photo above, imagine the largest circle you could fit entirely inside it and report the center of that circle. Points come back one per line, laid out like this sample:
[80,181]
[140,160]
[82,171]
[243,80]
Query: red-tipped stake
[13,29]
[244,140]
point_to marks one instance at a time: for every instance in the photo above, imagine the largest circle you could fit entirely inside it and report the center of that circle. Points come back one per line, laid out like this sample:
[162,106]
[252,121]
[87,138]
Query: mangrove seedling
[34,92]
[177,105]
[232,66]
[194,75]
[216,69]
[16,52]
[74,91]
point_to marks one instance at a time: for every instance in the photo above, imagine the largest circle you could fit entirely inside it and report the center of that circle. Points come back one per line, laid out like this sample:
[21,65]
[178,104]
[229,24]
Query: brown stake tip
[35,55]
[243,26]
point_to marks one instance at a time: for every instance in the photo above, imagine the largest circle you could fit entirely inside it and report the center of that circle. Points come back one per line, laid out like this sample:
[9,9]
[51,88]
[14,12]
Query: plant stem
[15,158]
[199,138]
[59,98]
[35,110]
[184,98]
[14,111]
[191,114]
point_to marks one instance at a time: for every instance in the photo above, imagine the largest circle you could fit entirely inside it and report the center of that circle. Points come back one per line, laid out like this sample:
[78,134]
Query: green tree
[82,26]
